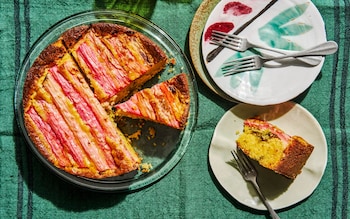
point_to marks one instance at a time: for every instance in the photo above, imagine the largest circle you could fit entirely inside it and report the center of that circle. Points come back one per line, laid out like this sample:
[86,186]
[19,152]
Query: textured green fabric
[29,190]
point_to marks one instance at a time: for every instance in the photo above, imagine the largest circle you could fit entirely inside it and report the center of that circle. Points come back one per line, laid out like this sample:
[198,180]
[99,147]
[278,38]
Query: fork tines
[239,65]
[226,40]
[224,36]
[235,156]
[244,164]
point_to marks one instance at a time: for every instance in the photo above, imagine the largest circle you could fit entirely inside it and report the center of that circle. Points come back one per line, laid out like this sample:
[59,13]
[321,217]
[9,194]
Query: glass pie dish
[166,148]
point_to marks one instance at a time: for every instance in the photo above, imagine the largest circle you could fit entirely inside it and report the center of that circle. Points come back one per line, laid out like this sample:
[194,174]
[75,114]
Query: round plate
[195,37]
[287,25]
[172,143]
[280,191]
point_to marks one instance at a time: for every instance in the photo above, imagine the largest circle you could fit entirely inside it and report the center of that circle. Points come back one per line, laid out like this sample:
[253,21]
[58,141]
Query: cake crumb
[135,135]
[172,61]
[171,70]
[141,124]
[145,167]
[152,132]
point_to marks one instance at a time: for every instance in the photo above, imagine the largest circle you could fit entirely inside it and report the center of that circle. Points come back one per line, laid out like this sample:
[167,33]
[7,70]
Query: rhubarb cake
[273,148]
[114,58]
[166,103]
[70,90]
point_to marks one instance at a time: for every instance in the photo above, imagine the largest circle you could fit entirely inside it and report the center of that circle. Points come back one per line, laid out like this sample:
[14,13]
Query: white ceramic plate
[280,191]
[287,25]
[195,37]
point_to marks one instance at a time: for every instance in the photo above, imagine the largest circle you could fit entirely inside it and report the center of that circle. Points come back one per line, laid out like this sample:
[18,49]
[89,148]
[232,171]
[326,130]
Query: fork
[256,62]
[249,173]
[241,44]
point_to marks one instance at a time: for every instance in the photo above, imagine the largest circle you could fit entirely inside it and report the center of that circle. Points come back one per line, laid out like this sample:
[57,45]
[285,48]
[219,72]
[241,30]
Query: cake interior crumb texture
[273,148]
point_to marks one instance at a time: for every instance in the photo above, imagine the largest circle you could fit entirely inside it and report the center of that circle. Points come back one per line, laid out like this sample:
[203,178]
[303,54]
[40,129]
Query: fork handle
[212,54]
[322,49]
[310,60]
[273,213]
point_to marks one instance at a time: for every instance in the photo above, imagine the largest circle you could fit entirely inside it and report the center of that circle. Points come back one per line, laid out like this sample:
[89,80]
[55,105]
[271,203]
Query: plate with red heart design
[285,25]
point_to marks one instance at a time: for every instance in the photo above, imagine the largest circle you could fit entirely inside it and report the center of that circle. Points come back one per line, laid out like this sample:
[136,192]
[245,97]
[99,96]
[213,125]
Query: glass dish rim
[53,33]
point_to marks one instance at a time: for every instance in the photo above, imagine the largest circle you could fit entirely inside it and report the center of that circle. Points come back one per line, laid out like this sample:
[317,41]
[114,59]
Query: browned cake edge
[295,157]
[181,83]
[72,36]
[48,56]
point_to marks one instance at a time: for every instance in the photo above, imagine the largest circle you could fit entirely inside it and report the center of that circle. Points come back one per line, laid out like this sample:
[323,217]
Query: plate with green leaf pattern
[285,25]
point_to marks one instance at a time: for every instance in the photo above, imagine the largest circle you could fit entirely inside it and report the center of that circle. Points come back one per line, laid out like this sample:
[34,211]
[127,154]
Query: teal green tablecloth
[29,190]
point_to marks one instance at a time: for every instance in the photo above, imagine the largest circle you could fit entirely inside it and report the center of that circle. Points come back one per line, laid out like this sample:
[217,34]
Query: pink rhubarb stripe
[85,111]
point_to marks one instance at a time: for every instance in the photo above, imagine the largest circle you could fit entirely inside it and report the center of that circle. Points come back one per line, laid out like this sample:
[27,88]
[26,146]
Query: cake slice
[114,58]
[273,148]
[67,123]
[166,103]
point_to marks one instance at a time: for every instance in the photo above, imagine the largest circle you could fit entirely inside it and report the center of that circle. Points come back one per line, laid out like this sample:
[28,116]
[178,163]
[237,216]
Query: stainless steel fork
[255,62]
[249,173]
[241,44]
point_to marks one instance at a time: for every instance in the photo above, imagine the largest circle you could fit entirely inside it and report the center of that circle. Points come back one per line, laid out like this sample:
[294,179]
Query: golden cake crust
[47,57]
[181,83]
[295,157]
[73,35]
[150,58]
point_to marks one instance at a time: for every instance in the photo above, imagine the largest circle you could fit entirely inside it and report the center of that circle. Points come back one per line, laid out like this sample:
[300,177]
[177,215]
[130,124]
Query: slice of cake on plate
[273,148]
